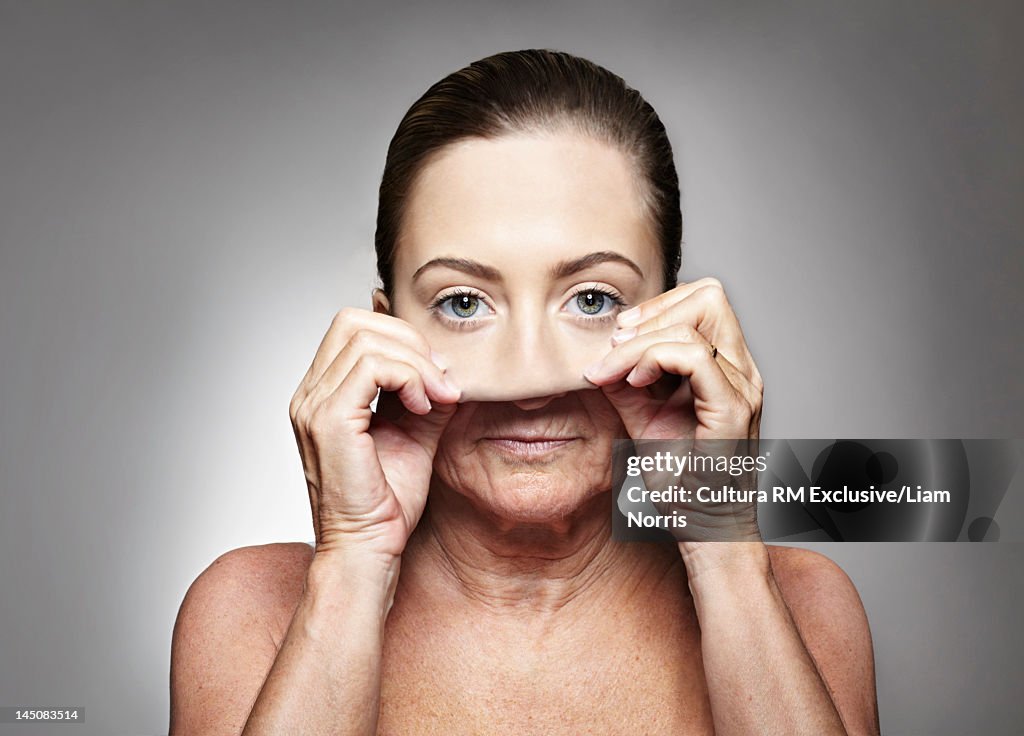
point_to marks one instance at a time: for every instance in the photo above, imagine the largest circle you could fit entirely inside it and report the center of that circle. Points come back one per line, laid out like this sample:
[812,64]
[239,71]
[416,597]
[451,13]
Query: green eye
[590,302]
[465,305]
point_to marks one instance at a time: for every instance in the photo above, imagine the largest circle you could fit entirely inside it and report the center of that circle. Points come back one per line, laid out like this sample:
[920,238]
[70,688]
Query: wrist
[351,578]
[729,564]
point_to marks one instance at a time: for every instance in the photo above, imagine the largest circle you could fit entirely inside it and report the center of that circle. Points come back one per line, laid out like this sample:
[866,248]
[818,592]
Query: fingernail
[623,334]
[629,317]
[632,374]
[438,360]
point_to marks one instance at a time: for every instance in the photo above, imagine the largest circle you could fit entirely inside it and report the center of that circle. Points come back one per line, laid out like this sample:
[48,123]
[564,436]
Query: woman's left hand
[675,335]
[680,370]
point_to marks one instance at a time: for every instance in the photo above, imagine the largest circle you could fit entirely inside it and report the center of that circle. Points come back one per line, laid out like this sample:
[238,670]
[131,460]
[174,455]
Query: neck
[460,553]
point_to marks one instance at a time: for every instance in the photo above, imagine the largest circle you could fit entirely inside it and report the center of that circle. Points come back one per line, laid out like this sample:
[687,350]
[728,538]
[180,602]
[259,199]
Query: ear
[381,304]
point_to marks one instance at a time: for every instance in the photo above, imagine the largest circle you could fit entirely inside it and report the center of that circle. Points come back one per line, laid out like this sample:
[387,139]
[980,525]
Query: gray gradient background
[188,192]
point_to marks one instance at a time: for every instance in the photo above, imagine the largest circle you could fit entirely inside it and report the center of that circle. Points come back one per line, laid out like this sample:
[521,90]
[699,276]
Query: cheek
[606,426]
[454,460]
[605,422]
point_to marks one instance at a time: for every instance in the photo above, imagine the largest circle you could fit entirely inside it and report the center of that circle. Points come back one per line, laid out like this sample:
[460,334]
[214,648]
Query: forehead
[526,196]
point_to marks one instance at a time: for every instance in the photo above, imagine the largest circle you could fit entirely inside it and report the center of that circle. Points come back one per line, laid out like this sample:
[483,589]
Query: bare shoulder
[821,598]
[809,579]
[229,627]
[828,612]
[264,580]
[805,564]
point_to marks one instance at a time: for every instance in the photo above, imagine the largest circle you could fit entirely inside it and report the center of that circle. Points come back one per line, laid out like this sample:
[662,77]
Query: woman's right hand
[368,475]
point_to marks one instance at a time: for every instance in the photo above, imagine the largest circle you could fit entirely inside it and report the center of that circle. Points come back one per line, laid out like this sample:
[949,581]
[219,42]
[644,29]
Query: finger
[368,342]
[707,309]
[645,310]
[742,383]
[709,312]
[349,404]
[625,355]
[426,430]
[717,403]
[633,405]
[347,321]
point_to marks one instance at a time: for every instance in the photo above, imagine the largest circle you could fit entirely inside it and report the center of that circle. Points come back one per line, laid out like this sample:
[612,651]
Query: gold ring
[714,352]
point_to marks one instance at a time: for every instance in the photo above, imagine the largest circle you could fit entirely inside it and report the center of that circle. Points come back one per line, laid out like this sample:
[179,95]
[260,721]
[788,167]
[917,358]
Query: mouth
[522,447]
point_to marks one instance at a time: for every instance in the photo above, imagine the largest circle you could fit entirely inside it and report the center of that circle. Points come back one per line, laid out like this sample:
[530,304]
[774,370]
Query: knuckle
[703,352]
[362,339]
[319,425]
[344,315]
[714,294]
[419,342]
[711,282]
[412,338]
[367,363]
[410,374]
[659,351]
[686,333]
[293,406]
[301,422]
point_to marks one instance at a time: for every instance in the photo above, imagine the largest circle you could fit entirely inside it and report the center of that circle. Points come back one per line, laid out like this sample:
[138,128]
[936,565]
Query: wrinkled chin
[534,503]
[547,495]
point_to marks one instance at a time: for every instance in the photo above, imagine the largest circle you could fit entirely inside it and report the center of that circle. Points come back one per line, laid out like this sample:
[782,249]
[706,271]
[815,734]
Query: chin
[524,484]
[534,500]
[545,496]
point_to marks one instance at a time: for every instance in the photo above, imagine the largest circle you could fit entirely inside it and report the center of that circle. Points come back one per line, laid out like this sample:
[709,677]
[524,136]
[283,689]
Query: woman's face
[496,268]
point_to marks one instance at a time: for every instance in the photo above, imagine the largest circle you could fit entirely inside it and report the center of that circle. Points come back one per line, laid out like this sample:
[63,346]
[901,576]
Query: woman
[529,211]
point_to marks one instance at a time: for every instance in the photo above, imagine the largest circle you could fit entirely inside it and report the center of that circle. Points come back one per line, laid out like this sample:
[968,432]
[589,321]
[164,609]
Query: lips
[527,437]
[528,446]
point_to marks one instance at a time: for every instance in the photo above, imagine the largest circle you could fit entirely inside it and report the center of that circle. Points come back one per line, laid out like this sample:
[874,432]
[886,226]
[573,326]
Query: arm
[232,671]
[784,640]
[326,678]
[785,646]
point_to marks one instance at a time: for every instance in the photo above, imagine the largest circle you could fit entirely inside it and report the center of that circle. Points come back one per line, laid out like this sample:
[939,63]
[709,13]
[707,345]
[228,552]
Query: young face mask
[508,360]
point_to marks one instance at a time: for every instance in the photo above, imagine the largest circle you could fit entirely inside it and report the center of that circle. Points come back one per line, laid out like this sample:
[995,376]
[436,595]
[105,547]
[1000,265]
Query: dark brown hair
[524,91]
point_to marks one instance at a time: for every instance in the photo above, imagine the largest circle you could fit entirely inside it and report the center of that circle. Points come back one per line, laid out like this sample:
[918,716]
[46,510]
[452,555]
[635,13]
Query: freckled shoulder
[275,575]
[284,566]
[229,628]
[814,587]
[829,614]
[803,574]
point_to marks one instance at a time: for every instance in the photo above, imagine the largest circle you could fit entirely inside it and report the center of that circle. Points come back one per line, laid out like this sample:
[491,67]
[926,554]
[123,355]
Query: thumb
[426,429]
[633,404]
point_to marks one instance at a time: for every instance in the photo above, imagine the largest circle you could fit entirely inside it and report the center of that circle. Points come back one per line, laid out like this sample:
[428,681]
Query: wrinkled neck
[465,554]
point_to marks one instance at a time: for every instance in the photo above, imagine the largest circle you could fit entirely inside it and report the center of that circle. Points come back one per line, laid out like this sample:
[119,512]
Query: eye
[464,305]
[593,302]
[461,305]
[590,302]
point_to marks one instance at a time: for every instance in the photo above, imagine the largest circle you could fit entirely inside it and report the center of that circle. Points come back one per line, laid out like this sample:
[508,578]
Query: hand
[671,336]
[667,382]
[368,475]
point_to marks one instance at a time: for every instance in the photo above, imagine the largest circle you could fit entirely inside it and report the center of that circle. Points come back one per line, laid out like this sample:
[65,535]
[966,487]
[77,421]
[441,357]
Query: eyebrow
[560,270]
[568,268]
[473,268]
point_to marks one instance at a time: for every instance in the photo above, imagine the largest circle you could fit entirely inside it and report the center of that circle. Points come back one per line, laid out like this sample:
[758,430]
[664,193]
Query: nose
[538,403]
[537,355]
